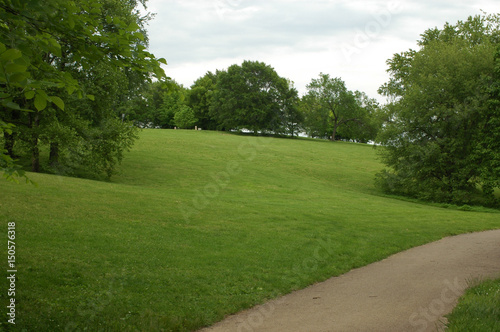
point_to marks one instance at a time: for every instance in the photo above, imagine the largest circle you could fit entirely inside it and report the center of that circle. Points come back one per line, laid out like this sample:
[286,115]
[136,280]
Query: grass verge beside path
[478,309]
[199,225]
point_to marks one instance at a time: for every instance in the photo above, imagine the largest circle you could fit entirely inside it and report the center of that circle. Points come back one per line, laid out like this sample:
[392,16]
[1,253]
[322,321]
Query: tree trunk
[54,154]
[9,144]
[10,139]
[35,156]
[35,152]
[334,132]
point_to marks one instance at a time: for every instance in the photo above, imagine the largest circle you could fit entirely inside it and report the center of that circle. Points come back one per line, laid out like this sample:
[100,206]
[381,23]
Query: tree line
[253,96]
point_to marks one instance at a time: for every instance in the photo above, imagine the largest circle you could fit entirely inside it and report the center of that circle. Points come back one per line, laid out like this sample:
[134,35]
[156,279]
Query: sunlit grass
[199,225]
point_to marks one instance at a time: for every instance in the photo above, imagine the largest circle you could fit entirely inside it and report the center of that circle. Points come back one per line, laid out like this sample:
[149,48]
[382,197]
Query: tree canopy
[440,142]
[200,100]
[330,110]
[53,54]
[253,96]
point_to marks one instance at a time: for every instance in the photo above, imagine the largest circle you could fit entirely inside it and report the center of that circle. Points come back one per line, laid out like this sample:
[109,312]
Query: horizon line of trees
[253,96]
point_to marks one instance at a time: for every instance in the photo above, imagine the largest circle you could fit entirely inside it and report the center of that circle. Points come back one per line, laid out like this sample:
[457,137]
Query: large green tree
[489,147]
[368,123]
[54,52]
[143,108]
[200,100]
[329,106]
[157,104]
[437,142]
[252,96]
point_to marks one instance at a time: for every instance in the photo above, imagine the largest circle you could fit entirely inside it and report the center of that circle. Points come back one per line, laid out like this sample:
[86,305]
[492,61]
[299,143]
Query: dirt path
[409,291]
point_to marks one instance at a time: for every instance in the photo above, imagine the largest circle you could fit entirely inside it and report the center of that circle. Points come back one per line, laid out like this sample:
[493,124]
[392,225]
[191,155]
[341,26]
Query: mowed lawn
[202,224]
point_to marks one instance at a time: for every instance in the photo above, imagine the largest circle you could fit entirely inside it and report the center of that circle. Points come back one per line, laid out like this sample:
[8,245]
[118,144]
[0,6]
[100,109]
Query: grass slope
[199,225]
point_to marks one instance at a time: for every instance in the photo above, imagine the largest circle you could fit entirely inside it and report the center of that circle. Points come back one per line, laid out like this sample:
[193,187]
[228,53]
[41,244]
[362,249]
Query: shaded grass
[199,225]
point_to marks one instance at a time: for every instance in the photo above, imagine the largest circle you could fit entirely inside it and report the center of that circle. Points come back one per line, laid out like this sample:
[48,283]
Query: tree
[442,115]
[10,169]
[489,149]
[316,119]
[185,118]
[200,100]
[250,96]
[369,121]
[52,53]
[173,98]
[290,117]
[328,106]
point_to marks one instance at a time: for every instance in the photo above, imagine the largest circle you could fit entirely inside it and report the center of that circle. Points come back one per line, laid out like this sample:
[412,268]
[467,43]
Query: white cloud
[299,38]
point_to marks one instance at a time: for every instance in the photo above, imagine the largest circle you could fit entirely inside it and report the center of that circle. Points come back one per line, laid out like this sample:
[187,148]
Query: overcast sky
[300,39]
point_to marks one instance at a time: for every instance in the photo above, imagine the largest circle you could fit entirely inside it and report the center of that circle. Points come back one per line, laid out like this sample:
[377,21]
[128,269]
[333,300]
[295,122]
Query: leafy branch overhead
[33,33]
[50,50]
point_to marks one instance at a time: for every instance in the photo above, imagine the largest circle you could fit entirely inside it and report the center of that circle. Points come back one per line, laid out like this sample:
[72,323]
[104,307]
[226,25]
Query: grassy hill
[199,225]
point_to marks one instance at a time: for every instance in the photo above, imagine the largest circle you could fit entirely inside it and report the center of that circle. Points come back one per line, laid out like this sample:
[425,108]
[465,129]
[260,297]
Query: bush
[185,117]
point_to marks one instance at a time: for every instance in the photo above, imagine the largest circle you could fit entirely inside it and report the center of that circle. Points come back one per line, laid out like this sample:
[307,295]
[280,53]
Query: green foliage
[316,119]
[173,102]
[254,97]
[104,146]
[142,108]
[488,149]
[368,123]
[11,171]
[52,54]
[437,141]
[290,120]
[200,100]
[185,118]
[330,110]
[158,105]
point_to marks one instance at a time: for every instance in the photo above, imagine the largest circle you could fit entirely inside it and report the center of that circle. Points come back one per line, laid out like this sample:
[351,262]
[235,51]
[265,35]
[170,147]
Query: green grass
[478,309]
[199,225]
